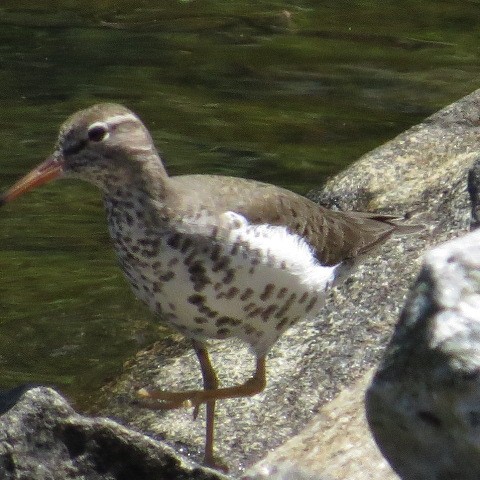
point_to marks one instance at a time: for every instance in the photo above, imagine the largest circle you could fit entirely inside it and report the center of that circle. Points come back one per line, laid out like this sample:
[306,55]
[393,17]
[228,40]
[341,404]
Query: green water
[284,92]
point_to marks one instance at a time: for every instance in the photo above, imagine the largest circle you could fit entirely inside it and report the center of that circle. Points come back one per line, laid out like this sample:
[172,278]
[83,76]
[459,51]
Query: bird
[212,256]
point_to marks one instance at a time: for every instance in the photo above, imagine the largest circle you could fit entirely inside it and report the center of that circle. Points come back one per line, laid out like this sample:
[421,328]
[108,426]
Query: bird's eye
[97,132]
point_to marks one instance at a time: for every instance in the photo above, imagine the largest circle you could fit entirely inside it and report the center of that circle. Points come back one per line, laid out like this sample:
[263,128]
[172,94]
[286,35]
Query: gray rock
[335,444]
[423,405]
[41,438]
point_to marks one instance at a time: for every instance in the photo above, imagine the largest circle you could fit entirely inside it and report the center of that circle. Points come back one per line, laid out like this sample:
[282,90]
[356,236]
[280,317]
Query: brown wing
[335,236]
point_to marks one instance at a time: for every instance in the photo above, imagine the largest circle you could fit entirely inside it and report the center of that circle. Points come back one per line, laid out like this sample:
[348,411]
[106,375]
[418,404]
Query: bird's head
[106,145]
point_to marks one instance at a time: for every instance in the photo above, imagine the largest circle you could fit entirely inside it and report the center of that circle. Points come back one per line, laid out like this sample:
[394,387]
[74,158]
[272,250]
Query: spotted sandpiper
[212,256]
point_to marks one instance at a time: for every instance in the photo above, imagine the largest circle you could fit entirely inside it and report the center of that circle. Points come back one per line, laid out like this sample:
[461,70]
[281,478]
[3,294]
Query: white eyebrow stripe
[116,119]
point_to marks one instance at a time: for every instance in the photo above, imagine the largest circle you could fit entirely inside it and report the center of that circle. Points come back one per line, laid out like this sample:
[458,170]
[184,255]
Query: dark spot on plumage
[246,294]
[196,299]
[231,293]
[196,268]
[215,253]
[139,214]
[157,287]
[218,286]
[205,310]
[190,258]
[149,242]
[198,330]
[282,292]
[128,219]
[167,276]
[255,313]
[214,232]
[198,275]
[282,323]
[286,305]
[221,264]
[267,291]
[172,306]
[174,240]
[251,270]
[234,249]
[146,288]
[267,313]
[229,276]
[171,317]
[303,297]
[294,320]
[172,262]
[200,320]
[311,304]
[232,322]
[158,307]
[157,265]
[143,277]
[249,329]
[283,265]
[186,244]
[149,253]
[223,332]
[249,306]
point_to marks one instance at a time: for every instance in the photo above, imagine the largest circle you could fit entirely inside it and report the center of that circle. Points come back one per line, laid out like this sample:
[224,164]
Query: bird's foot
[162,400]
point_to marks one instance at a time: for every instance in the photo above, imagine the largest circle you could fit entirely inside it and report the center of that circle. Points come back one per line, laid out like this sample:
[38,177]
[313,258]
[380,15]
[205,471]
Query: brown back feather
[335,236]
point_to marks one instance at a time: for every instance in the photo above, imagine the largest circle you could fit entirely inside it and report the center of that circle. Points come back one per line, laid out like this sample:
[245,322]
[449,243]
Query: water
[287,93]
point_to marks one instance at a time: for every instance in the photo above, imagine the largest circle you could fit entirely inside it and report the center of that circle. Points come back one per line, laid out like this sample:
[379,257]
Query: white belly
[251,281]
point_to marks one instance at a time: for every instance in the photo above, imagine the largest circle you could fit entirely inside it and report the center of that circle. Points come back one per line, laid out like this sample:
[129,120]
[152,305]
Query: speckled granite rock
[335,444]
[42,438]
[422,172]
[424,402]
[415,169]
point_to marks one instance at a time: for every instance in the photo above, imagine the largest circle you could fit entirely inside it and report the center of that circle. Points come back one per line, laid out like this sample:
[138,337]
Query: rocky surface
[336,444]
[41,437]
[424,402]
[423,172]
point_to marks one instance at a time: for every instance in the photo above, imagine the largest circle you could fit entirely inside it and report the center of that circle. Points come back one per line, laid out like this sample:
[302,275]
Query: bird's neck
[143,182]
[144,195]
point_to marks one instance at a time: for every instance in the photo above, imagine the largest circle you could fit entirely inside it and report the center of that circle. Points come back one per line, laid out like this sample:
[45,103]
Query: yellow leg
[211,393]
[210,382]
[192,398]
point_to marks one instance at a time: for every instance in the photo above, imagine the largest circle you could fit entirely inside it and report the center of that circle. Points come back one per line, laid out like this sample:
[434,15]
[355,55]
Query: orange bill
[50,169]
